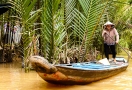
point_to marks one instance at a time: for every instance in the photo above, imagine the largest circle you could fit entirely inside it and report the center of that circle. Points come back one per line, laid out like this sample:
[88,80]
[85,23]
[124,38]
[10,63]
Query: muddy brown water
[13,77]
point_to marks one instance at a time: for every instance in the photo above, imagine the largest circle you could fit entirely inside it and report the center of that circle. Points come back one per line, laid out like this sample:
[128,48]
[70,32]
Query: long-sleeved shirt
[110,34]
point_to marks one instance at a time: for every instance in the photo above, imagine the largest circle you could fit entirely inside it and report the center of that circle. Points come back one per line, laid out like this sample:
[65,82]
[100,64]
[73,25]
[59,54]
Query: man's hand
[105,32]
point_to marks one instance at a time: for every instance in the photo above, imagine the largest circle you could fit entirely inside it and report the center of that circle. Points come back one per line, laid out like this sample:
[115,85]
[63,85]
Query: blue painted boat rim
[94,66]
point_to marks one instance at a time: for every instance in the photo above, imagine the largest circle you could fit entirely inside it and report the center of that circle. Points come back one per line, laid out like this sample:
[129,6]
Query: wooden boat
[76,73]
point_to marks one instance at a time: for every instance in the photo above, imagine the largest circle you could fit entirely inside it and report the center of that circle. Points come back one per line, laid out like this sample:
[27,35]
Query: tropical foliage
[27,16]
[81,25]
[53,31]
[69,24]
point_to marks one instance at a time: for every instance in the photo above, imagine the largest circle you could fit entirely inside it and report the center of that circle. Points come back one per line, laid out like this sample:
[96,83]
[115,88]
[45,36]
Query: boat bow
[40,64]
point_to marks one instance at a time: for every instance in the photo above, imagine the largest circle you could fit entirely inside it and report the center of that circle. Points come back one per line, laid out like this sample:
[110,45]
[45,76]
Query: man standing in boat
[111,38]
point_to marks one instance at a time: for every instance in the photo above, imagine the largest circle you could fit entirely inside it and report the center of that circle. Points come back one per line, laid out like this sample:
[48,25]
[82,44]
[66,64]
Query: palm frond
[53,29]
[86,23]
[69,6]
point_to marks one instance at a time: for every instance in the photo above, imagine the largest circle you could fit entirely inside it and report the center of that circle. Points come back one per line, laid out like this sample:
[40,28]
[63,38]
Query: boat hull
[70,76]
[76,73]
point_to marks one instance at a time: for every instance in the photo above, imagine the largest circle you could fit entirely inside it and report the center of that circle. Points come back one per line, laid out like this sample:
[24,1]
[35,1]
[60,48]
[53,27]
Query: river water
[13,77]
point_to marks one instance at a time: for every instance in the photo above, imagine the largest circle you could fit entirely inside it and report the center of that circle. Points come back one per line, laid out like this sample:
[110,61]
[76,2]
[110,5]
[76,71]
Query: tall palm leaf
[86,24]
[68,6]
[53,30]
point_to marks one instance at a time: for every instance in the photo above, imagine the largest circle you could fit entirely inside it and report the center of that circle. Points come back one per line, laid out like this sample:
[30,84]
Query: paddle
[121,47]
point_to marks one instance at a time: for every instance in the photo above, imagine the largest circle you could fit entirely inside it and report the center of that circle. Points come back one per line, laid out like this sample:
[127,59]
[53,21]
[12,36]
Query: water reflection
[13,77]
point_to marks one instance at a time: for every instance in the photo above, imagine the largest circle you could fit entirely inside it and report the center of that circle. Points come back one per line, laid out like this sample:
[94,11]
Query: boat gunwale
[85,69]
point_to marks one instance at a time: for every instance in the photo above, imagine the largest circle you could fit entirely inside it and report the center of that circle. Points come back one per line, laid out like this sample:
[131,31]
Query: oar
[121,47]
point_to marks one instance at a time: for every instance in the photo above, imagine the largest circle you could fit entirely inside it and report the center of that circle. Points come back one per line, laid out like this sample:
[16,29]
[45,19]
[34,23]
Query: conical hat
[108,23]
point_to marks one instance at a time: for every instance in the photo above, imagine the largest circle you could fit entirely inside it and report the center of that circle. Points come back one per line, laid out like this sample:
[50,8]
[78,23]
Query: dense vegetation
[65,29]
